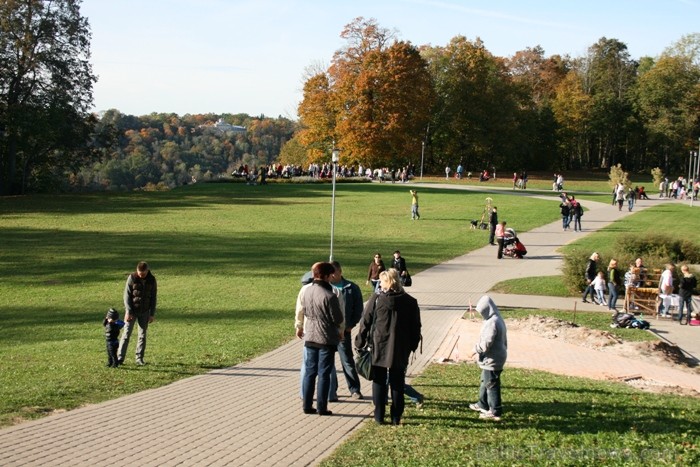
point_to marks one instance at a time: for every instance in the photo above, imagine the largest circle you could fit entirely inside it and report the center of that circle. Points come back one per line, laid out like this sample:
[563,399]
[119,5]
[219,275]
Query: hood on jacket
[486,307]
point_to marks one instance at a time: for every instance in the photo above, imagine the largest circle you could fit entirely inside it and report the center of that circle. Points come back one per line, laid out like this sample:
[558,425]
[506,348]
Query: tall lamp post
[422,154]
[334,158]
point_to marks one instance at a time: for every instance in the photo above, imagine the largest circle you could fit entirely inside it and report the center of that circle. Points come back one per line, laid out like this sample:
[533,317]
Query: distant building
[224,127]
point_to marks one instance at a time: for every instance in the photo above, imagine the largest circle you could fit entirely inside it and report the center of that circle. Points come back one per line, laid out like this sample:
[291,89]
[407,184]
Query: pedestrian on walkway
[299,322]
[589,275]
[140,298]
[399,263]
[490,353]
[414,205]
[599,287]
[375,268]
[565,210]
[500,234]
[686,287]
[395,317]
[620,196]
[666,288]
[351,299]
[614,282]
[493,222]
[321,332]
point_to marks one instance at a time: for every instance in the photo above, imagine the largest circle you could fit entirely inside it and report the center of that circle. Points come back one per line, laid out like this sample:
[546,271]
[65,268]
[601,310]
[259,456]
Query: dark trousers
[500,247]
[490,391]
[319,362]
[348,362]
[492,233]
[589,289]
[687,303]
[112,346]
[380,392]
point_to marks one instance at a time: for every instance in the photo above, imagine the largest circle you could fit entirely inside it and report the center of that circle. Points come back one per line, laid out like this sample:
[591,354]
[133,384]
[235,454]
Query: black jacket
[396,329]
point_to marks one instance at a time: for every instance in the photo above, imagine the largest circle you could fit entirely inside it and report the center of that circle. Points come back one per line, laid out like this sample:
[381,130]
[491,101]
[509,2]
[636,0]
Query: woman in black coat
[395,317]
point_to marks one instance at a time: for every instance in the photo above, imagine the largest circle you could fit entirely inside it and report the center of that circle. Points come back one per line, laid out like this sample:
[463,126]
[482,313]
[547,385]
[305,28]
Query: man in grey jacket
[491,352]
[322,330]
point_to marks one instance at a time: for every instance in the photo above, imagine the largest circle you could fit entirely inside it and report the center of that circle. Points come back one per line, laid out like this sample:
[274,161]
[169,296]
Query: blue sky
[249,56]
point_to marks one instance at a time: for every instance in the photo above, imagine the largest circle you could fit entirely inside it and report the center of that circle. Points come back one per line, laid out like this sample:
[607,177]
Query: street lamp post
[422,156]
[334,158]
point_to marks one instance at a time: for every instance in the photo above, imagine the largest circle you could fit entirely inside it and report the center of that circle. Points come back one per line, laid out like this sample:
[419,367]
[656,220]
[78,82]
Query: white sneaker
[488,415]
[476,408]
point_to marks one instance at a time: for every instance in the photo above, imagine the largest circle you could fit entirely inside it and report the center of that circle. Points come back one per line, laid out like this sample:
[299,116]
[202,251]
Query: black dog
[474,223]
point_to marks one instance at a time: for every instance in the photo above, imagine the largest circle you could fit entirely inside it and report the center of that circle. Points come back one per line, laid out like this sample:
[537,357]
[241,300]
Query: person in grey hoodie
[490,352]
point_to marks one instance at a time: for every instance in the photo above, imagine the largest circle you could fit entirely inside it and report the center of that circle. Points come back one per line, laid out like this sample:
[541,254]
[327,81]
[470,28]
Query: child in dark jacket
[112,325]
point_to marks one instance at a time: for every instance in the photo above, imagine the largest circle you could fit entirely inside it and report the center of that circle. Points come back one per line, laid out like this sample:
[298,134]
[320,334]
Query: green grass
[589,319]
[548,420]
[228,259]
[552,286]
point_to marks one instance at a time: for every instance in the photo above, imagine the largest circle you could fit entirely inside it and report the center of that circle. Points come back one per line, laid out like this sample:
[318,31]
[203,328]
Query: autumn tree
[374,101]
[45,91]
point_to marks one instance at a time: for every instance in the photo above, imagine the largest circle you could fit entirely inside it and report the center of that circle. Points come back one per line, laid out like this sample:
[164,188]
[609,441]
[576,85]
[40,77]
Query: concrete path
[250,414]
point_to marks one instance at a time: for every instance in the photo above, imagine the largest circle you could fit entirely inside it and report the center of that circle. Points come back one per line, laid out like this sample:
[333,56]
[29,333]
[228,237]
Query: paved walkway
[250,414]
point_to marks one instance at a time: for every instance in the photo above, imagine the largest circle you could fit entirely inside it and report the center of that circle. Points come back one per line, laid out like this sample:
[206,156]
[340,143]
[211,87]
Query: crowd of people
[571,210]
[329,306]
[679,188]
[612,281]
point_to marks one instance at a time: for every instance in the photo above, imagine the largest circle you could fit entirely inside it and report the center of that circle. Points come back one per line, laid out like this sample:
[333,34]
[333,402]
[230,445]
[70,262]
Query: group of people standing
[329,306]
[612,280]
[571,211]
[327,310]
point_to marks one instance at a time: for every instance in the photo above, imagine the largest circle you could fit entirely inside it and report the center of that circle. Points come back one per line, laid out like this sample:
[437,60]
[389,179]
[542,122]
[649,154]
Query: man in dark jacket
[493,222]
[351,295]
[140,298]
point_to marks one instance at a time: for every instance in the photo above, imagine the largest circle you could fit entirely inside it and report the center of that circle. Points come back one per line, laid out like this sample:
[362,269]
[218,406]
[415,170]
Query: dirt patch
[657,351]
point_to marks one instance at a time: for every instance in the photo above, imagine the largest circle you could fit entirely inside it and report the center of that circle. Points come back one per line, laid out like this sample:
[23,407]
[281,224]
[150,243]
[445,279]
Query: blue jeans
[565,221]
[410,392]
[589,289]
[319,362]
[414,212]
[332,390]
[380,392]
[348,362]
[612,299]
[685,302]
[490,391]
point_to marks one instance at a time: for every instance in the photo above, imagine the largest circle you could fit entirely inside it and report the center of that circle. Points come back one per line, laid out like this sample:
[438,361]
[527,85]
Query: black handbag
[406,280]
[363,357]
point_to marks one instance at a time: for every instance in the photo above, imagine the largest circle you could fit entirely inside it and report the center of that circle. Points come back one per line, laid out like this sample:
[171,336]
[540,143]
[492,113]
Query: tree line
[385,102]
[382,101]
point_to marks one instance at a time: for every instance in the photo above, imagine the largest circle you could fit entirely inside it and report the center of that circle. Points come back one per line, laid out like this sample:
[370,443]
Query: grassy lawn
[228,259]
[548,420]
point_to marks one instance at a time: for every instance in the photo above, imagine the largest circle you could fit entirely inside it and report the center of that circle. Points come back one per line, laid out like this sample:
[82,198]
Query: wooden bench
[644,298]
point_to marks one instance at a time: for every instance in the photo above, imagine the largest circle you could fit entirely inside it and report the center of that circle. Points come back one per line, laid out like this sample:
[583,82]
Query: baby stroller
[512,246]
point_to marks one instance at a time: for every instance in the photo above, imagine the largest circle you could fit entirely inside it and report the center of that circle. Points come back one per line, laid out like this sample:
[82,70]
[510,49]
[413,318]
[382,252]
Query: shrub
[617,176]
[658,175]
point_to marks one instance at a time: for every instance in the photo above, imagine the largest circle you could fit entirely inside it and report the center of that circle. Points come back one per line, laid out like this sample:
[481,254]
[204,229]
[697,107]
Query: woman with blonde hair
[391,325]
[614,281]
